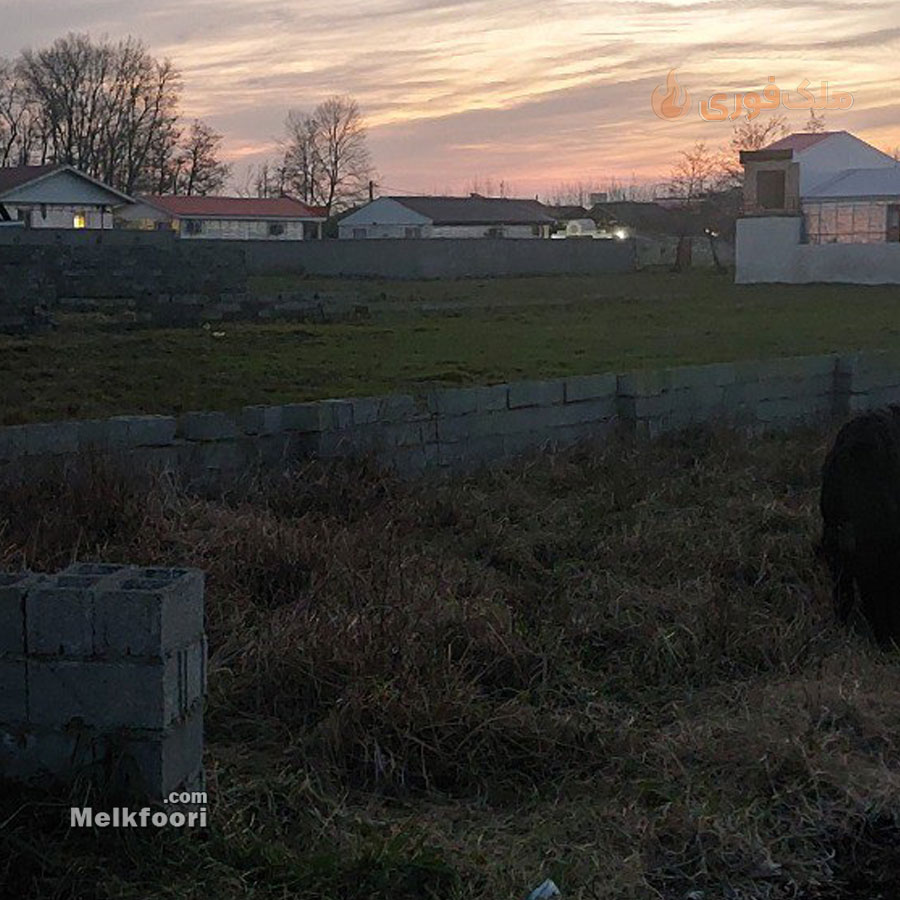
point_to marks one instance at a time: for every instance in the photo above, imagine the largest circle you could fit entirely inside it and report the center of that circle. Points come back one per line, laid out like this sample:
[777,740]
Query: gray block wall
[404,258]
[458,427]
[103,672]
[168,281]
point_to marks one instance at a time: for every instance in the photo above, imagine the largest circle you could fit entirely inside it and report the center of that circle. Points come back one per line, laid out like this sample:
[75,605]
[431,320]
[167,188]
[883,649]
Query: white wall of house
[769,251]
[384,218]
[241,229]
[834,155]
[384,230]
[47,216]
[480,231]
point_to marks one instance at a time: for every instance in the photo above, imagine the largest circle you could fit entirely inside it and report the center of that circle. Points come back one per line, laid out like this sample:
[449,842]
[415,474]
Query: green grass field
[474,332]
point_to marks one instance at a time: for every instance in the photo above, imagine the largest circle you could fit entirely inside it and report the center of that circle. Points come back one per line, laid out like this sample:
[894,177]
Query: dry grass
[614,666]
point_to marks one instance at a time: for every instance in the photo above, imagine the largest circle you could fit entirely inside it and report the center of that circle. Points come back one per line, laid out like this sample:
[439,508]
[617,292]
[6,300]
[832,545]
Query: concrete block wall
[166,282]
[458,427]
[103,672]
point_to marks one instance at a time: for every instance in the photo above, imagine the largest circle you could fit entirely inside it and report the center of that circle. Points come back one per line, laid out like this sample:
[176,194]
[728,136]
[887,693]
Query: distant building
[447,217]
[225,218]
[807,192]
[56,196]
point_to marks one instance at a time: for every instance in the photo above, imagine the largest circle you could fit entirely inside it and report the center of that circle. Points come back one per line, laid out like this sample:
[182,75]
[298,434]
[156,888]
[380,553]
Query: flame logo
[665,100]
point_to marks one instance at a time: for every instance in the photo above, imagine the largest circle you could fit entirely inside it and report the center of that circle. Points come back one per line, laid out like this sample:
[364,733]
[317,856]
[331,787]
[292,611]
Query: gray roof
[477,210]
[880,182]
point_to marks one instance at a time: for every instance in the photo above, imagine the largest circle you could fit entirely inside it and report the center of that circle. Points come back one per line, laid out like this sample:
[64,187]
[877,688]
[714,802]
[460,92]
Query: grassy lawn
[616,667]
[557,326]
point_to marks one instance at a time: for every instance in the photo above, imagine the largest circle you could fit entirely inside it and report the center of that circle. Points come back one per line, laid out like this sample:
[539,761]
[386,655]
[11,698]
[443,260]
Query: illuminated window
[79,220]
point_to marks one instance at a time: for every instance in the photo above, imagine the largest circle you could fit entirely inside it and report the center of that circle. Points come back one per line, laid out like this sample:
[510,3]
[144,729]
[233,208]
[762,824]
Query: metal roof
[801,140]
[178,205]
[880,182]
[14,177]
[477,210]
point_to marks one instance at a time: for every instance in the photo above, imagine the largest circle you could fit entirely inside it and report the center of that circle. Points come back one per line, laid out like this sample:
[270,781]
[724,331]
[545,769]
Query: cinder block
[788,410]
[596,410]
[13,691]
[120,694]
[399,408]
[206,426]
[42,439]
[537,393]
[169,761]
[711,375]
[647,383]
[149,613]
[460,401]
[261,419]
[128,431]
[26,752]
[338,414]
[306,417]
[590,387]
[59,617]
[383,410]
[185,679]
[14,587]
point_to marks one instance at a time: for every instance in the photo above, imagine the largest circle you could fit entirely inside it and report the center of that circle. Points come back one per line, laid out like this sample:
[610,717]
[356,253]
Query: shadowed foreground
[616,667]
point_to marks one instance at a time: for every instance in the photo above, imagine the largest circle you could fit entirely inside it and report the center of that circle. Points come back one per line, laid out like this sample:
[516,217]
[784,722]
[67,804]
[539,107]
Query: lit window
[79,220]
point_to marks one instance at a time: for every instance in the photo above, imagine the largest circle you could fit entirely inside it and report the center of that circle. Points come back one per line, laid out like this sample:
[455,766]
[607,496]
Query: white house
[226,218]
[447,217]
[819,207]
[56,196]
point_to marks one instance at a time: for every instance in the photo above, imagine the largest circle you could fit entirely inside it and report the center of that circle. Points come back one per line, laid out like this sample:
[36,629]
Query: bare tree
[697,172]
[815,124]
[346,164]
[199,169]
[327,159]
[302,157]
[751,134]
[109,109]
[18,131]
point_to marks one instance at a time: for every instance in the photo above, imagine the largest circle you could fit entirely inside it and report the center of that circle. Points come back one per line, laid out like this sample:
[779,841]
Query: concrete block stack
[103,673]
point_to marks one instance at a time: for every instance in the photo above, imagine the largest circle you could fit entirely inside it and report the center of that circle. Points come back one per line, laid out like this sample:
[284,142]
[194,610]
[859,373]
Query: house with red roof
[226,218]
[819,207]
[56,196]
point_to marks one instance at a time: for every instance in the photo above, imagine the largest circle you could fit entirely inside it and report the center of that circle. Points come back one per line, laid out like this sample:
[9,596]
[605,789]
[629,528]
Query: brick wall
[103,670]
[457,427]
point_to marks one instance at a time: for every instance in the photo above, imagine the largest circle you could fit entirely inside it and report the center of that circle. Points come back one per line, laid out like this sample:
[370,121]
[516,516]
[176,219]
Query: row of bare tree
[111,110]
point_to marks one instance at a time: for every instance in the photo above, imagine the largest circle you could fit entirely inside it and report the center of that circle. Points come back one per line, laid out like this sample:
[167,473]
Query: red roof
[15,176]
[801,140]
[234,207]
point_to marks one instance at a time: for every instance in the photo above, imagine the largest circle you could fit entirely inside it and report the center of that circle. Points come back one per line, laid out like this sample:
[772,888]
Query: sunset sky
[534,93]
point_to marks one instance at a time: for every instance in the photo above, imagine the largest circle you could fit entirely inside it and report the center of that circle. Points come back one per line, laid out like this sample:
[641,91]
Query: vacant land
[426,333]
[616,667]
